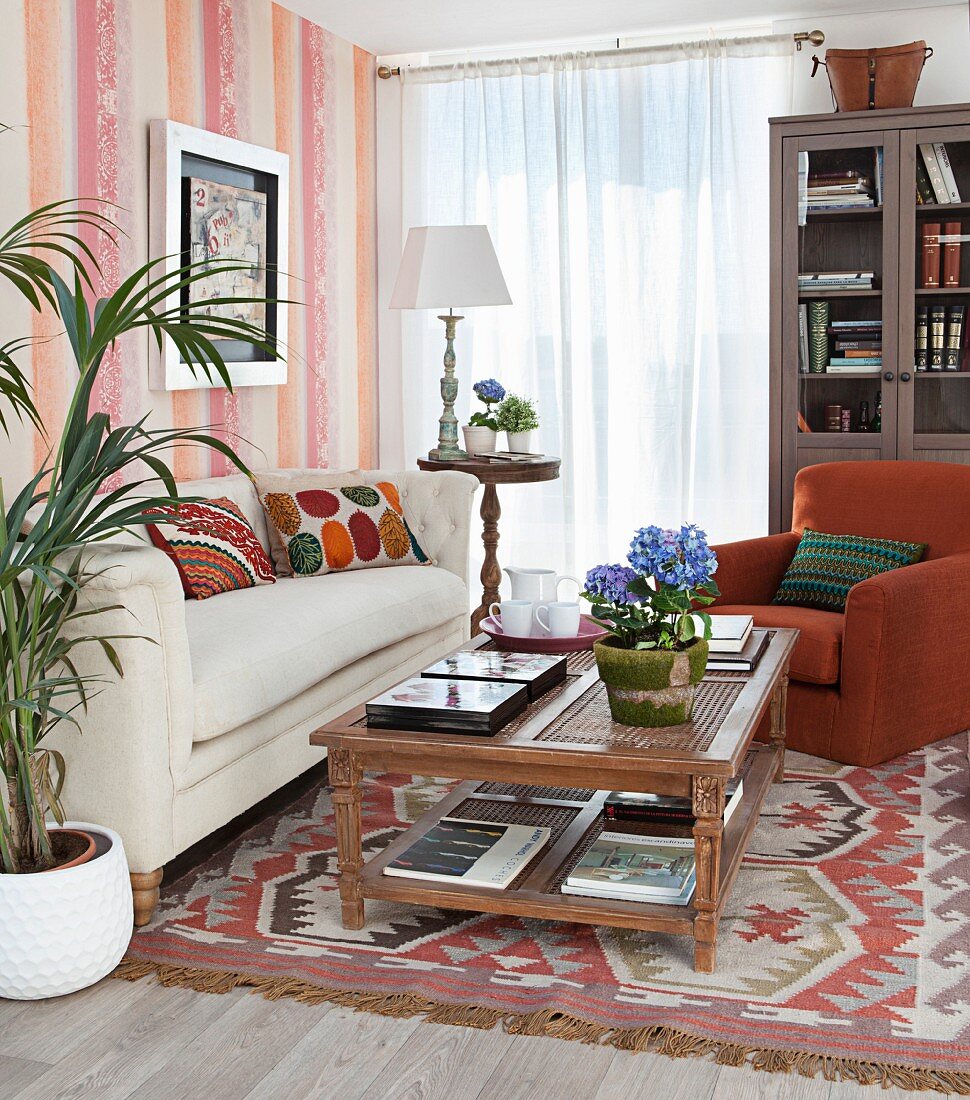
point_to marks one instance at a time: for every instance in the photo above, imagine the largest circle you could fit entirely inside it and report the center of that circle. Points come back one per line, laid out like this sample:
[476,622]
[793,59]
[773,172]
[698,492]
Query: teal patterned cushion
[825,567]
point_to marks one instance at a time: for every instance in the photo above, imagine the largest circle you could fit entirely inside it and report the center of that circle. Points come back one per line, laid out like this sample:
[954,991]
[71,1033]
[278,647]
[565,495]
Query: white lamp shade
[444,266]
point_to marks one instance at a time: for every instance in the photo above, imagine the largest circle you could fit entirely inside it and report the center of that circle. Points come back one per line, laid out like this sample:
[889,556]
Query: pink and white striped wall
[82,78]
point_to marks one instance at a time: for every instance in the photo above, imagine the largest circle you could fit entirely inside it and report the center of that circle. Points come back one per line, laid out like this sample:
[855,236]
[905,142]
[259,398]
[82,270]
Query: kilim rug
[844,950]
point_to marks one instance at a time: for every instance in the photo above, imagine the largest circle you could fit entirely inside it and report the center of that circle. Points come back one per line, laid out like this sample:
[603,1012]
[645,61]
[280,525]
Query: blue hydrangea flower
[610,582]
[489,390]
[681,558]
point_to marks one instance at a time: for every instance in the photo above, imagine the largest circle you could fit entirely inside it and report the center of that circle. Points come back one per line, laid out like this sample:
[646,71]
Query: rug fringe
[658,1039]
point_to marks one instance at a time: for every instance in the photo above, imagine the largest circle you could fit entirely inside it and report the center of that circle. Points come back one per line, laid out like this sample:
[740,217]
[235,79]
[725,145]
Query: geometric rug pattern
[844,950]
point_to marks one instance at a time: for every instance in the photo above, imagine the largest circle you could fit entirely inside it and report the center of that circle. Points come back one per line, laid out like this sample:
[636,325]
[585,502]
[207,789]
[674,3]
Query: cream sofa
[219,696]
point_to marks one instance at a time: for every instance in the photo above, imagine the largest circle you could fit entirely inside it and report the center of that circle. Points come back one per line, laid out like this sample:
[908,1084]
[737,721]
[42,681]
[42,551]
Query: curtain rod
[385,72]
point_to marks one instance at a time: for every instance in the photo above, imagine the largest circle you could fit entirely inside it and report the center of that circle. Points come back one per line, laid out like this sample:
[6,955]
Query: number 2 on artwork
[200,197]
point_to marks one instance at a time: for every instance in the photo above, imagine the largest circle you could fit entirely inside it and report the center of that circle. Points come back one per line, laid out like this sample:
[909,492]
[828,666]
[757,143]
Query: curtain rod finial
[815,37]
[385,72]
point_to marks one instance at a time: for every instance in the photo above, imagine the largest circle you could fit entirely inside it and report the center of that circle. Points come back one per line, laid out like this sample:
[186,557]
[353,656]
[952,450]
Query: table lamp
[444,266]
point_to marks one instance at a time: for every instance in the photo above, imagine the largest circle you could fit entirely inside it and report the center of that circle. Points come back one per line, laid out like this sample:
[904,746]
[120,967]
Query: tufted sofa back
[911,501]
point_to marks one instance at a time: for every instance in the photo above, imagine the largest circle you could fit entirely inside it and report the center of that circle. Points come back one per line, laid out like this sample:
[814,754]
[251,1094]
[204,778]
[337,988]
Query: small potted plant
[517,417]
[655,657]
[482,429]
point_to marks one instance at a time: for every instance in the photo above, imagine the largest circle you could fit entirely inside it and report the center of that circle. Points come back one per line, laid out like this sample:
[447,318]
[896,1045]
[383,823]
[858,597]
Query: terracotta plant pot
[479,440]
[651,687]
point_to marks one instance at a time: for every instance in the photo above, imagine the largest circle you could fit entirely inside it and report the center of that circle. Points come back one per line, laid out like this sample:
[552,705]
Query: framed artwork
[214,198]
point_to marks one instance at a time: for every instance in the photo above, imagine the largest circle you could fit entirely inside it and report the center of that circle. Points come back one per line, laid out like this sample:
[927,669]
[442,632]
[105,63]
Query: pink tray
[589,632]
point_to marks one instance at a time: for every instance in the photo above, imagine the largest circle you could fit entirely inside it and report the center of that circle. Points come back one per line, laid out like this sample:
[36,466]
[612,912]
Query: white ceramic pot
[65,930]
[478,440]
[520,441]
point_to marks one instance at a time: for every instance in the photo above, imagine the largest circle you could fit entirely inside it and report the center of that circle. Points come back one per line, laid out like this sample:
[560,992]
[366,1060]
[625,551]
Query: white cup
[563,618]
[515,617]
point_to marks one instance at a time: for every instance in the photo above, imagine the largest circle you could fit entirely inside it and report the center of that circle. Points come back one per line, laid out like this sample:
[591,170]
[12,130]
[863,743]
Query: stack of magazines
[471,692]
[631,867]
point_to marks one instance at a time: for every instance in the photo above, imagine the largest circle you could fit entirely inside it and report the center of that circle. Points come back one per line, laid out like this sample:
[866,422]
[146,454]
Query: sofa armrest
[906,652]
[136,733]
[438,508]
[750,571]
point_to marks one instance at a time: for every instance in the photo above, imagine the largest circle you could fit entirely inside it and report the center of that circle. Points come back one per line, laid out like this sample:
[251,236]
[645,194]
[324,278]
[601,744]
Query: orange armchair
[893,672]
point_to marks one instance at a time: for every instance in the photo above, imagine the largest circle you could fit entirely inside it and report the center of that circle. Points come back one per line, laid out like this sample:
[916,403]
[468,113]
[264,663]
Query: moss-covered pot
[651,687]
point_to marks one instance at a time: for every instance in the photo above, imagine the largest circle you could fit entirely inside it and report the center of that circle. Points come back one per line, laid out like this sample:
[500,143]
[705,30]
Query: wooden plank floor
[121,1039]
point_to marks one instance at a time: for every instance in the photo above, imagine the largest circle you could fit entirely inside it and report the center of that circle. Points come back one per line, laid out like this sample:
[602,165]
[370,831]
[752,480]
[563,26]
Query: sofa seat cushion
[254,649]
[818,652]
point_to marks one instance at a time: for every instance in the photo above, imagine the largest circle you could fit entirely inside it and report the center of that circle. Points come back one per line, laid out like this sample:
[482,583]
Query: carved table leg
[346,771]
[491,573]
[708,831]
[779,706]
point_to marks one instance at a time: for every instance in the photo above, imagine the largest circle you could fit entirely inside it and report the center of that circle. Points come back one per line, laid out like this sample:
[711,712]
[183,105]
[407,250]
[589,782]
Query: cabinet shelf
[863,213]
[938,209]
[923,375]
[875,376]
[806,295]
[936,291]
[838,440]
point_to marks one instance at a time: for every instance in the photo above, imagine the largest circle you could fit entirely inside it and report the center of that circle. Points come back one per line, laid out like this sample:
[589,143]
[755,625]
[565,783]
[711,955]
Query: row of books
[935,181]
[940,254]
[836,189]
[939,337]
[857,345]
[626,862]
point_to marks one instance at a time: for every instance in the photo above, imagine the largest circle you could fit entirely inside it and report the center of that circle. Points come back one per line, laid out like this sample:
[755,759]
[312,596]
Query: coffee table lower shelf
[575,820]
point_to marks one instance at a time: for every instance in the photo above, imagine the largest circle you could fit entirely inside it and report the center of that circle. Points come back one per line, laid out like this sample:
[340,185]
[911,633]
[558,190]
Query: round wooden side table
[491,474]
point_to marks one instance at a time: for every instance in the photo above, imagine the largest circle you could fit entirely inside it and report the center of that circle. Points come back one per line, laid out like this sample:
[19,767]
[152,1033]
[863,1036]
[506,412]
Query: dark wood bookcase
[925,415]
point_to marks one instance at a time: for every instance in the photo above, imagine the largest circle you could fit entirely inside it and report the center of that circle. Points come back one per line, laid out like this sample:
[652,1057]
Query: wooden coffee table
[553,766]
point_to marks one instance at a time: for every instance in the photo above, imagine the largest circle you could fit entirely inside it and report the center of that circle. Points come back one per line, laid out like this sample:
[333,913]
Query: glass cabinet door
[934,386]
[839,283]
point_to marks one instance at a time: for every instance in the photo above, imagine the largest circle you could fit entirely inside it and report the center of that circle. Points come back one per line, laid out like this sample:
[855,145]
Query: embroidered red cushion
[213,546]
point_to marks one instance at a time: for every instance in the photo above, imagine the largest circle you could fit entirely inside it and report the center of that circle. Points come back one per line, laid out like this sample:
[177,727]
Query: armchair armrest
[749,572]
[905,655]
[438,508]
[136,733]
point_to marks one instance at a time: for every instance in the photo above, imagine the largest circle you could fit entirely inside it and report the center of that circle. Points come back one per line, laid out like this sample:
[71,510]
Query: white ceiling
[428,26]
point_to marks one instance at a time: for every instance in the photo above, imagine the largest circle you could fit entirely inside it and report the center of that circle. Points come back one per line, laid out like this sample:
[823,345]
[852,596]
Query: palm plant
[46,528]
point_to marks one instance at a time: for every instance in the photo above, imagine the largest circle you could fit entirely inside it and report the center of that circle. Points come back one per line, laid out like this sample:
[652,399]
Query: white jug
[541,586]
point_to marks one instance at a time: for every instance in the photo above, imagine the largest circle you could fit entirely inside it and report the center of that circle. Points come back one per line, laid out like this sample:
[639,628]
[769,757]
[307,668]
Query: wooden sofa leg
[144,891]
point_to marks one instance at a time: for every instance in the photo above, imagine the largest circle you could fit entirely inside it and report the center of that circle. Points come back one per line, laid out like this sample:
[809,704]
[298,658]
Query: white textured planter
[520,441]
[478,440]
[65,930]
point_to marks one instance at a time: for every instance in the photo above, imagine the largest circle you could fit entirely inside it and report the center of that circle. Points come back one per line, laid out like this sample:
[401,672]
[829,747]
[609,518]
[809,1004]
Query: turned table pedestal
[491,474]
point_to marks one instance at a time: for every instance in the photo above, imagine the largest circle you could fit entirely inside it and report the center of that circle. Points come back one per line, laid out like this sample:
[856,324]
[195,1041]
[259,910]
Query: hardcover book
[937,337]
[928,154]
[640,868]
[448,706]
[729,633]
[930,267]
[473,853]
[589,890]
[666,808]
[539,672]
[946,172]
[950,243]
[818,341]
[745,661]
[922,356]
[954,337]
[924,189]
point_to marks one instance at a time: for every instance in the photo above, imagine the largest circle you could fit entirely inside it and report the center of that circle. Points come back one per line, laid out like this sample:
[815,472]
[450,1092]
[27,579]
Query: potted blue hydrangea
[656,654]
[481,432]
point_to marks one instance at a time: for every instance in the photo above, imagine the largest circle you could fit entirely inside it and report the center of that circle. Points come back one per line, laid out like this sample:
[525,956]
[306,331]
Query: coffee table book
[489,854]
[449,706]
[745,661]
[551,767]
[635,867]
[629,807]
[539,672]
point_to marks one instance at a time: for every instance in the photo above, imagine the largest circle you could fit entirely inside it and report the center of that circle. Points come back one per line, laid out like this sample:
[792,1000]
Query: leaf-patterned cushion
[325,530]
[825,567]
[213,547]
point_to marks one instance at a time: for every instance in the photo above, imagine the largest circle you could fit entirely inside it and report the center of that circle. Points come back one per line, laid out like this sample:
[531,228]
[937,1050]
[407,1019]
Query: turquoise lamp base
[448,449]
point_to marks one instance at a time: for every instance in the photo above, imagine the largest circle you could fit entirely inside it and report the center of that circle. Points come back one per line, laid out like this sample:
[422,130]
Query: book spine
[818,341]
[933,171]
[946,172]
[931,255]
[658,817]
[857,361]
[803,339]
[921,357]
[858,345]
[954,337]
[879,174]
[924,189]
[937,336]
[951,253]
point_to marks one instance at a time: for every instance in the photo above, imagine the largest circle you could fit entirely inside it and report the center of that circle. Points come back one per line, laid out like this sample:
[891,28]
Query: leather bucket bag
[866,80]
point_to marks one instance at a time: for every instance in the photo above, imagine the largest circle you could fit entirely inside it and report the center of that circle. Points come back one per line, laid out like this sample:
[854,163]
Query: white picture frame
[169,143]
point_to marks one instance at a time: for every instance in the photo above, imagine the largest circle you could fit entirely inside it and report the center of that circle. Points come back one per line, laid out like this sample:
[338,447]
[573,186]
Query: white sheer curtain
[627,196]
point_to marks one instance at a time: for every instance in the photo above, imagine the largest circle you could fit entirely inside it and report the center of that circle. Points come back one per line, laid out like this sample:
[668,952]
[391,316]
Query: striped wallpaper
[80,80]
